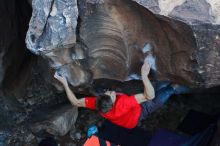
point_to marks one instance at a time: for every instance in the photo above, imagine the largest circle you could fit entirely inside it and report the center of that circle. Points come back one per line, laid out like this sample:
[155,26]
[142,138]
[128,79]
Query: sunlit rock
[188,11]
[53,25]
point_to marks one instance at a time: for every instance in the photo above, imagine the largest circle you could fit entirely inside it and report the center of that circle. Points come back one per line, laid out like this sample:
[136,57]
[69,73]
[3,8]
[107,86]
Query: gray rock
[58,122]
[108,39]
[152,5]
[193,12]
[208,53]
[95,1]
[30,137]
[78,136]
[188,11]
[53,25]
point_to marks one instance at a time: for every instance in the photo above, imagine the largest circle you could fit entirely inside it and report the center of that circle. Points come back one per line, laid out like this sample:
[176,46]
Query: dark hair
[103,103]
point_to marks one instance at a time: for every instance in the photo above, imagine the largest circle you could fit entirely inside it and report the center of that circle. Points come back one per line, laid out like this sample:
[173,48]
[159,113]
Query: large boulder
[52,26]
[57,122]
[114,37]
[203,17]
[188,11]
[121,34]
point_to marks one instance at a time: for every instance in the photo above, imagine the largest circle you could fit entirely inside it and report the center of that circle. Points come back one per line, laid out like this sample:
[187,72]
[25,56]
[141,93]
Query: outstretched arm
[149,92]
[71,96]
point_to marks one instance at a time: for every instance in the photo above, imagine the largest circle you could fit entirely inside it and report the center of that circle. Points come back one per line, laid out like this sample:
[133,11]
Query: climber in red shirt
[124,110]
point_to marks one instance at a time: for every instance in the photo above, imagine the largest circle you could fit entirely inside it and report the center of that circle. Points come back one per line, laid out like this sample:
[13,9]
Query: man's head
[104,102]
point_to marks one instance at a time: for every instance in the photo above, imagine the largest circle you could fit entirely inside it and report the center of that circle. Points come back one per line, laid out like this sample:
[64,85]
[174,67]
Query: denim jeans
[161,96]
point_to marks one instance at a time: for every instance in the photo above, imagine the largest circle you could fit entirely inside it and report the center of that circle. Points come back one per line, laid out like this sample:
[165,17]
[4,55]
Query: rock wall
[203,17]
[208,53]
[52,26]
[188,11]
[111,26]
[53,33]
[188,54]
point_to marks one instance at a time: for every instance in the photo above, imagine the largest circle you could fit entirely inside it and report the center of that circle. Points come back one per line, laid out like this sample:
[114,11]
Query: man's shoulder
[119,94]
[90,102]
[125,97]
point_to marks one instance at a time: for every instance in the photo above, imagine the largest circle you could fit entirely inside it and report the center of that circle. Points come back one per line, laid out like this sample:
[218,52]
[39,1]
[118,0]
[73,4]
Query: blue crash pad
[163,137]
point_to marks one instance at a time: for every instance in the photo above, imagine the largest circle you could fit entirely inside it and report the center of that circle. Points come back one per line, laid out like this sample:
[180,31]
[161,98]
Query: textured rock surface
[152,5]
[77,61]
[95,1]
[15,122]
[52,26]
[208,53]
[188,11]
[52,33]
[121,33]
[56,122]
[193,12]
[197,13]
[117,31]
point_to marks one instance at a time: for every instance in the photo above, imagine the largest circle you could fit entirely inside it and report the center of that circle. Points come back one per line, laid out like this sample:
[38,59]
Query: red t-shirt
[125,111]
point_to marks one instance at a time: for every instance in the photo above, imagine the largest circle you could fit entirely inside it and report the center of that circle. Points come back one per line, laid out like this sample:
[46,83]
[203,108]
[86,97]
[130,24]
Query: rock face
[122,32]
[208,53]
[53,25]
[58,122]
[203,17]
[188,11]
[52,34]
[116,36]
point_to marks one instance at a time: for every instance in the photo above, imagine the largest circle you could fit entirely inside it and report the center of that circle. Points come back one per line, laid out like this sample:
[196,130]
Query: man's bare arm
[149,92]
[71,96]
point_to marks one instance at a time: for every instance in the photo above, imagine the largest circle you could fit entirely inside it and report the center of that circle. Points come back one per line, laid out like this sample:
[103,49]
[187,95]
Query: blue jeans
[161,96]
